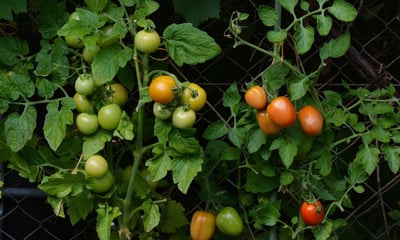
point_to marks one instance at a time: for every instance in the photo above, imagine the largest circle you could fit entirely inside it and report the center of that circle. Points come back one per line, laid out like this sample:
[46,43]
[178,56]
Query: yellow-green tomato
[147,41]
[85,84]
[109,116]
[229,222]
[82,103]
[102,184]
[183,118]
[87,123]
[96,166]
[116,93]
[194,96]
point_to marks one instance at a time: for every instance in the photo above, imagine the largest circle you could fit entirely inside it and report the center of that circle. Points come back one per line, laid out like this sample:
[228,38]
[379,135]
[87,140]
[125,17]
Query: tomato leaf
[215,130]
[324,162]
[51,17]
[237,135]
[276,36]
[287,150]
[56,121]
[335,48]
[52,59]
[105,216]
[392,156]
[144,8]
[151,216]
[231,96]
[11,48]
[23,164]
[231,153]
[94,143]
[185,168]
[286,178]
[298,88]
[18,129]
[8,7]
[63,184]
[356,173]
[172,217]
[368,156]
[108,61]
[304,38]
[159,164]
[325,230]
[88,22]
[343,10]
[289,5]
[266,214]
[256,139]
[125,128]
[259,183]
[183,41]
[197,11]
[268,15]
[324,24]
[274,76]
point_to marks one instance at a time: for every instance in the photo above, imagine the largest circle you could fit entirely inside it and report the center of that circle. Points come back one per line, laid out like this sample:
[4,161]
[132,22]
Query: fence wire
[372,61]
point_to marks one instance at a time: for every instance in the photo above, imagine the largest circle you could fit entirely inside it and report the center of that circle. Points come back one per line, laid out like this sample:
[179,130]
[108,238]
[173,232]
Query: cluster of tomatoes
[203,223]
[281,113]
[108,115]
[176,101]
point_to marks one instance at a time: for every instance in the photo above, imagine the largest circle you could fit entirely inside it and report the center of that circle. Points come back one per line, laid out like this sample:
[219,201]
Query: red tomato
[312,213]
[202,226]
[256,97]
[282,111]
[311,121]
[266,124]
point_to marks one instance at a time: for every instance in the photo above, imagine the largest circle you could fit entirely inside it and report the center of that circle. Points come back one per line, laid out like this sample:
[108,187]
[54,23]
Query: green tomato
[116,93]
[74,41]
[161,112]
[89,53]
[109,116]
[96,166]
[102,184]
[87,123]
[147,41]
[106,37]
[229,222]
[82,103]
[85,84]
[183,118]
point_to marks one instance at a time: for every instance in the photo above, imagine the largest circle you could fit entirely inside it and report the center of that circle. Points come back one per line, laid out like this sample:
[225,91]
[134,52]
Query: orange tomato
[202,225]
[256,97]
[161,89]
[311,121]
[282,111]
[266,124]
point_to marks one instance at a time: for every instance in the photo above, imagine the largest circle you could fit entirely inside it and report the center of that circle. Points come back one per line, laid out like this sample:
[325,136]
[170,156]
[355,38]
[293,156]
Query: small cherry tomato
[109,116]
[161,111]
[96,166]
[282,111]
[147,41]
[256,97]
[89,53]
[312,213]
[194,96]
[202,225]
[161,89]
[116,93]
[84,84]
[229,222]
[183,118]
[74,41]
[311,121]
[82,103]
[87,123]
[265,123]
[102,184]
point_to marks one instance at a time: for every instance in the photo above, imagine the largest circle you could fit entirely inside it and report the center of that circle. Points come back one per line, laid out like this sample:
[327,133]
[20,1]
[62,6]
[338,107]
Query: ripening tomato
[311,121]
[312,213]
[96,166]
[147,41]
[194,96]
[109,116]
[183,118]
[116,93]
[282,111]
[229,222]
[82,103]
[87,123]
[265,123]
[202,225]
[102,184]
[161,89]
[256,97]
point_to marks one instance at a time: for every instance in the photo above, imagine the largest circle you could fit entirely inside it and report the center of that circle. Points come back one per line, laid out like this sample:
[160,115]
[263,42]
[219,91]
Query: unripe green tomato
[102,184]
[96,166]
[87,123]
[82,103]
[147,41]
[109,116]
[229,222]
[89,53]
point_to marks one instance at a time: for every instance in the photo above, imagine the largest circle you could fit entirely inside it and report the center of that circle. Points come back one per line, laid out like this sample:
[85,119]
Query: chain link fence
[372,61]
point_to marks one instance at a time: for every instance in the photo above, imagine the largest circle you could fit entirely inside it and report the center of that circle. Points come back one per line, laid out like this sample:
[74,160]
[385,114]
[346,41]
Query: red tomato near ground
[311,121]
[202,225]
[161,89]
[282,111]
[194,96]
[256,97]
[312,213]
[266,124]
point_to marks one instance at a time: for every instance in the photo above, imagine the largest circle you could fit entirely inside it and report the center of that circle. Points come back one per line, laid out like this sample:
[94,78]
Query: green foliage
[197,11]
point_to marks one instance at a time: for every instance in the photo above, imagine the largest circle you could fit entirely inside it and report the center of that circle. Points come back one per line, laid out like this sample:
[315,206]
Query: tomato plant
[84,84]
[202,225]
[311,120]
[281,111]
[96,166]
[161,89]
[147,41]
[256,97]
[87,123]
[194,96]
[312,213]
[229,222]
[183,118]
[109,116]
